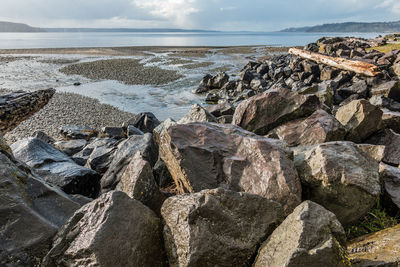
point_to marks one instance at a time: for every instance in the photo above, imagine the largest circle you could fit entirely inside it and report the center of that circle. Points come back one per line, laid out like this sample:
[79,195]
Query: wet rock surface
[56,167]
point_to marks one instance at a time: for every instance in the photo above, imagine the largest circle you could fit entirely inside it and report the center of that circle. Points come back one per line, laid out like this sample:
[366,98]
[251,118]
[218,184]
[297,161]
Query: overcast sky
[253,15]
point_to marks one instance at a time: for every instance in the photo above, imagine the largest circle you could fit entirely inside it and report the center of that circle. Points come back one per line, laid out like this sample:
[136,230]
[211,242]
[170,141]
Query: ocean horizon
[118,39]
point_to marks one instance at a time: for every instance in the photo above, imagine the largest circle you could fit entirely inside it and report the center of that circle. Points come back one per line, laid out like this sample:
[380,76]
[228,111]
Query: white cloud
[391,5]
[178,11]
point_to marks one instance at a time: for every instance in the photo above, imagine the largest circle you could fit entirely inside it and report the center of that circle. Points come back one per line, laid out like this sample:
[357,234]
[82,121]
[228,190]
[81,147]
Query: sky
[231,15]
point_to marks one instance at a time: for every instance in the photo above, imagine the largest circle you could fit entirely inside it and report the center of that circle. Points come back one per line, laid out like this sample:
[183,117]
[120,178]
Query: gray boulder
[146,122]
[31,213]
[123,156]
[391,183]
[132,130]
[263,112]
[56,167]
[318,128]
[310,236]
[217,227]
[161,128]
[113,132]
[391,140]
[71,132]
[340,177]
[138,181]
[113,230]
[71,147]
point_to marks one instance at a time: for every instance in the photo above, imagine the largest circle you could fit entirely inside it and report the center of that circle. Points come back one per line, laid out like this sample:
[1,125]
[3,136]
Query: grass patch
[385,48]
[376,220]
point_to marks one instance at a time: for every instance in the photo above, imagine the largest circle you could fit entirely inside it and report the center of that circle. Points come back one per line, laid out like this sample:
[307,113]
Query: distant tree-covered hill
[351,27]
[17,27]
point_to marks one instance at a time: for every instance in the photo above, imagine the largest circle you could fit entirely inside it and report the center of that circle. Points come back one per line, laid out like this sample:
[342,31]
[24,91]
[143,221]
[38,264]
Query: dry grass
[386,48]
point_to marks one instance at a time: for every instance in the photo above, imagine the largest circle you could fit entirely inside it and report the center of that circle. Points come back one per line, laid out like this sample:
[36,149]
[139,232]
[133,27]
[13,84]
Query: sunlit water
[169,100]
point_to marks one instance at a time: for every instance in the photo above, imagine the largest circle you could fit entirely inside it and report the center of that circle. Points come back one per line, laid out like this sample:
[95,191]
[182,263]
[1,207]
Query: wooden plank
[359,67]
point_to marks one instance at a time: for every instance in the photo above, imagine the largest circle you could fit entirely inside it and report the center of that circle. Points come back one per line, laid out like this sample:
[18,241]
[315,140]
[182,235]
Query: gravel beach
[128,71]
[67,109]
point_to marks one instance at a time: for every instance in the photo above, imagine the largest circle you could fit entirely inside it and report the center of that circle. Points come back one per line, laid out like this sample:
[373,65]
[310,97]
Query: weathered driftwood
[18,106]
[337,62]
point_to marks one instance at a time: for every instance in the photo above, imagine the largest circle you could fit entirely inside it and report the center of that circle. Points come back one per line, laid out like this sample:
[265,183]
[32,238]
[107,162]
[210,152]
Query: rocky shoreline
[278,173]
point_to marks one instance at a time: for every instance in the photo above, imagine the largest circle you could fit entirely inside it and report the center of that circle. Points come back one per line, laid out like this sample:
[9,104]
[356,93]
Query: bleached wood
[359,67]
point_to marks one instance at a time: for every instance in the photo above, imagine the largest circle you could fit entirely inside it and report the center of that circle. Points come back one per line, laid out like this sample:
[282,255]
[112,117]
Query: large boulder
[146,122]
[391,183]
[391,140]
[70,147]
[263,112]
[197,114]
[161,128]
[310,236]
[18,106]
[138,181]
[99,154]
[320,127]
[71,132]
[31,213]
[389,89]
[207,155]
[126,150]
[56,167]
[340,177]
[217,227]
[360,118]
[113,230]
[378,249]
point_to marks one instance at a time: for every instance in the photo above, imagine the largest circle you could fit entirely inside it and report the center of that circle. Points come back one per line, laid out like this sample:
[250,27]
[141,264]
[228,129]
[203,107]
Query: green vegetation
[377,219]
[386,48]
[351,27]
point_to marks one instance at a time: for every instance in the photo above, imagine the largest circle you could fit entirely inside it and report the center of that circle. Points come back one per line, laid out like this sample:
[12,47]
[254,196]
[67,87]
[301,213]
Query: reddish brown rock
[207,155]
[263,112]
[360,118]
[320,127]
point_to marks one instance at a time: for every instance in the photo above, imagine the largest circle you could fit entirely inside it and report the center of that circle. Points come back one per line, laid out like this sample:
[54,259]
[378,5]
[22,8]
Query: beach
[156,70]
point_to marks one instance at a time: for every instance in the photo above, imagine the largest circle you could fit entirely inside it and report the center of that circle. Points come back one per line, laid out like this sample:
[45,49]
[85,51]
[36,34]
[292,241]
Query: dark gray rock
[31,213]
[101,154]
[132,130]
[161,174]
[360,88]
[391,183]
[124,154]
[43,136]
[113,132]
[391,140]
[217,227]
[389,89]
[203,86]
[77,132]
[113,230]
[384,102]
[146,122]
[56,167]
[71,147]
[310,236]
[138,181]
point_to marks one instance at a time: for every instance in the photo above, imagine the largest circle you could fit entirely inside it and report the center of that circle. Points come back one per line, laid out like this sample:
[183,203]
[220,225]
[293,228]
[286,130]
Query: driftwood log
[359,67]
[18,106]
